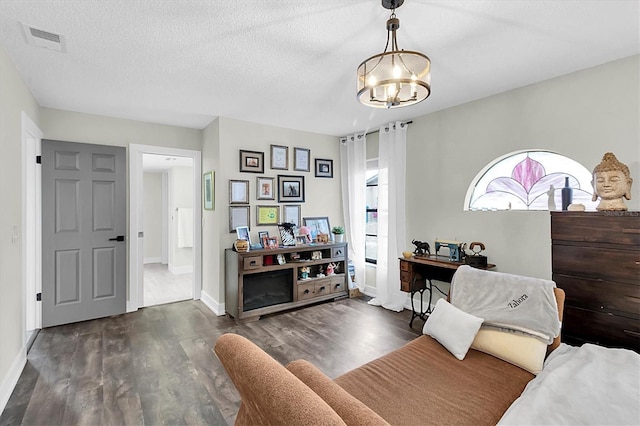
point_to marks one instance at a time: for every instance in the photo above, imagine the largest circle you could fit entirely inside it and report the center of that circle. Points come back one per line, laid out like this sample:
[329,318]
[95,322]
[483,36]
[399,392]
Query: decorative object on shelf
[290,189]
[338,234]
[306,232]
[316,255]
[243,233]
[456,249]
[272,243]
[476,259]
[281,259]
[304,272]
[324,168]
[238,191]
[322,238]
[301,159]
[251,161]
[407,254]
[267,215]
[238,216]
[422,248]
[263,237]
[576,207]
[331,268]
[317,225]
[394,78]
[241,246]
[551,200]
[208,191]
[287,234]
[567,194]
[301,239]
[612,183]
[279,157]
[264,188]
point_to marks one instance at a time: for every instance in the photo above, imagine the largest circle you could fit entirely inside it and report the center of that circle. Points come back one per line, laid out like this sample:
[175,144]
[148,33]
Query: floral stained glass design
[525,181]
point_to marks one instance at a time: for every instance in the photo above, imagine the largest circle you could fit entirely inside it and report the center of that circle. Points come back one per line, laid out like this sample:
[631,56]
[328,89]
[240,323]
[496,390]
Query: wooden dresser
[596,261]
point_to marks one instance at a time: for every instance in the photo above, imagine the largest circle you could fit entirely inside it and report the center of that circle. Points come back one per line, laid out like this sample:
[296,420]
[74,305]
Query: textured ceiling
[292,63]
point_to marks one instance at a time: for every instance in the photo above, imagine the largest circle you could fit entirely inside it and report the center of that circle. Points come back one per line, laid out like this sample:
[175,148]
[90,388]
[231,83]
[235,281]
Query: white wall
[152,217]
[180,196]
[580,115]
[15,97]
[221,154]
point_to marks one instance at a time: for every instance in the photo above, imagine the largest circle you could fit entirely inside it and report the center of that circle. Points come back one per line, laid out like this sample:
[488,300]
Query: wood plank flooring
[157,366]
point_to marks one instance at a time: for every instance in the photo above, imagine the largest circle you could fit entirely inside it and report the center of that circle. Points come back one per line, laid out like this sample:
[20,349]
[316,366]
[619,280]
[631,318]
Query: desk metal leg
[420,314]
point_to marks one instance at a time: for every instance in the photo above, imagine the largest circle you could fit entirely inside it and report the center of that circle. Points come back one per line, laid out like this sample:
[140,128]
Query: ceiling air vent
[45,39]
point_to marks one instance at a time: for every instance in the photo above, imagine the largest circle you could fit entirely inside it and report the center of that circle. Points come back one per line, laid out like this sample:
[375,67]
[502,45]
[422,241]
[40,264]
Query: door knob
[118,238]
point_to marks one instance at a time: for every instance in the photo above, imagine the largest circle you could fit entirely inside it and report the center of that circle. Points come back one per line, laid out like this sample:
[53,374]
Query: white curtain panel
[353,161]
[392,161]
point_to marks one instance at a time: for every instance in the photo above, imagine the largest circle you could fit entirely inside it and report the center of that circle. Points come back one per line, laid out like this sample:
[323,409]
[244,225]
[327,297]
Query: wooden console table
[417,273]
[260,282]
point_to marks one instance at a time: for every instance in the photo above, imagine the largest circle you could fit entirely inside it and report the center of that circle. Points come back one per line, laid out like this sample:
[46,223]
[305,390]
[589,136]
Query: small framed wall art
[324,168]
[290,189]
[291,214]
[238,191]
[301,160]
[264,188]
[208,188]
[279,157]
[268,215]
[251,161]
[238,216]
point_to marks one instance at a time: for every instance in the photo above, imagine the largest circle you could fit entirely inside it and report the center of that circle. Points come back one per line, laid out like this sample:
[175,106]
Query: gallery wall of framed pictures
[279,196]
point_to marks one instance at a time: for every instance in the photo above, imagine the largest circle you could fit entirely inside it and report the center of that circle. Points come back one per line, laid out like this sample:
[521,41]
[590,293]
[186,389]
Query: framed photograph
[238,191]
[301,160]
[264,188]
[318,225]
[290,188]
[279,157]
[238,216]
[208,200]
[268,215]
[324,168]
[251,161]
[263,237]
[301,239]
[291,214]
[243,233]
[272,242]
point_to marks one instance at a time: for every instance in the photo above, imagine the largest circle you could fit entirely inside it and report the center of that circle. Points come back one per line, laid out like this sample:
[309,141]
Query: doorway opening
[165,233]
[168,229]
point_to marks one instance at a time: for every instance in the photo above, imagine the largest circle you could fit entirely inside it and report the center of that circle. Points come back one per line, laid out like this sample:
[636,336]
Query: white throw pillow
[524,351]
[453,328]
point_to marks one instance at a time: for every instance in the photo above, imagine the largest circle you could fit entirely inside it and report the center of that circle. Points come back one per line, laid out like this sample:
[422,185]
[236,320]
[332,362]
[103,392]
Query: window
[371,227]
[525,180]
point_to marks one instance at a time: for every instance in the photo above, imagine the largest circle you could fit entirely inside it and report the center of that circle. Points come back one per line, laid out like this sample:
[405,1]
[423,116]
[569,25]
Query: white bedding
[587,385]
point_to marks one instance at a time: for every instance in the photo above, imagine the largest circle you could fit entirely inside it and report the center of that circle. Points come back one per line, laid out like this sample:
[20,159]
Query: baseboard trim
[209,302]
[180,269]
[369,291]
[152,260]
[11,379]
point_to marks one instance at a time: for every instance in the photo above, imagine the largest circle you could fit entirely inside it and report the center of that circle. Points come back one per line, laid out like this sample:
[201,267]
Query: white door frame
[136,198]
[31,224]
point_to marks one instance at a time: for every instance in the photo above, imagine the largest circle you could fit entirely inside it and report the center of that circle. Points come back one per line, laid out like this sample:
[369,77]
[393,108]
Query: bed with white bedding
[587,385]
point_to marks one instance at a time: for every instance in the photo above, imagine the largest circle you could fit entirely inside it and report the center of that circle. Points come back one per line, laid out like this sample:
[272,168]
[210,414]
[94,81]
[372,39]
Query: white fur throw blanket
[506,301]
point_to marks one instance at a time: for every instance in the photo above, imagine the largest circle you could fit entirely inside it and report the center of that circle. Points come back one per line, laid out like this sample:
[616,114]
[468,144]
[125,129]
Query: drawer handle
[306,291]
[322,288]
[337,286]
[252,263]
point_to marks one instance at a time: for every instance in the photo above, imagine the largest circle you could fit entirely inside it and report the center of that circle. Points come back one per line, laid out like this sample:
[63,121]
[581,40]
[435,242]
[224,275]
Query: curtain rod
[378,131]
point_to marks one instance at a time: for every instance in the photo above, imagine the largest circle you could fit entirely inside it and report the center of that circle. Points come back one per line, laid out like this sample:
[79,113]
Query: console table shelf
[260,282]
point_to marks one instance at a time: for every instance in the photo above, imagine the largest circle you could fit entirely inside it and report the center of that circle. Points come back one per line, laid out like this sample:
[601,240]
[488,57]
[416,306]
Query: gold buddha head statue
[612,183]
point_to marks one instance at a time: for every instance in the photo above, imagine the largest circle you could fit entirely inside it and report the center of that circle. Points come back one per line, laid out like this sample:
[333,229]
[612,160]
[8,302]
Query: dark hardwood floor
[157,366]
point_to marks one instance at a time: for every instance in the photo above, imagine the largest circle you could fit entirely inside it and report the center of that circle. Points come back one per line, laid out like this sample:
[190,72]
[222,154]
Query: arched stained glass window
[525,180]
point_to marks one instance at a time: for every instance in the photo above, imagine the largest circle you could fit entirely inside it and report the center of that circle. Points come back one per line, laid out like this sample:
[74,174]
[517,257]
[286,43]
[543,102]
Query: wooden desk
[416,274]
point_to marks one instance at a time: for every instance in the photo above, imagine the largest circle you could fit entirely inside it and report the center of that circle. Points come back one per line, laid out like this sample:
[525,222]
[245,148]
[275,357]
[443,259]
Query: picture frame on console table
[317,225]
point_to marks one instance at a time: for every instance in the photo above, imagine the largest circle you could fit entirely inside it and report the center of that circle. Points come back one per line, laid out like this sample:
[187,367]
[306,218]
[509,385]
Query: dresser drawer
[252,262]
[405,266]
[598,263]
[600,296]
[337,285]
[322,287]
[405,276]
[405,286]
[619,228]
[603,329]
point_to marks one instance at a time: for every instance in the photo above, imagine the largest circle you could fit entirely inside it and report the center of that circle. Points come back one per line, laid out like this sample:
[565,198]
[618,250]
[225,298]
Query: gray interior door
[83,229]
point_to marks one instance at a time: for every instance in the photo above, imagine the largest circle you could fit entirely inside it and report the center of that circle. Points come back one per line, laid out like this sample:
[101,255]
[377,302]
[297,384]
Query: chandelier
[395,78]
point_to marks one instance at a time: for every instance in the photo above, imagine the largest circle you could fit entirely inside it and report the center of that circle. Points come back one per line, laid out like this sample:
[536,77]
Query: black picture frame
[251,161]
[324,168]
[290,189]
